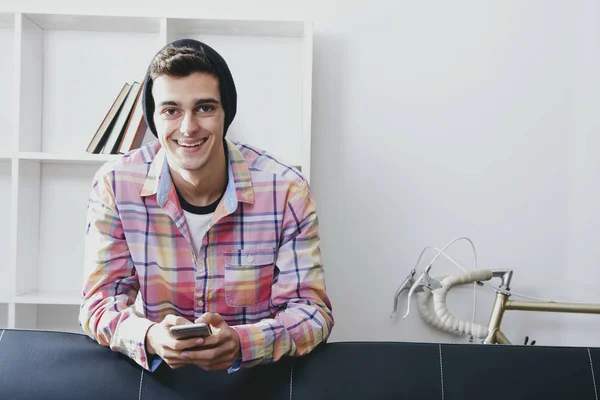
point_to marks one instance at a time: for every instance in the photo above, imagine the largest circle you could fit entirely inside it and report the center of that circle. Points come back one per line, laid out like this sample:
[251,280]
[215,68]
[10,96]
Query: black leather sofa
[53,365]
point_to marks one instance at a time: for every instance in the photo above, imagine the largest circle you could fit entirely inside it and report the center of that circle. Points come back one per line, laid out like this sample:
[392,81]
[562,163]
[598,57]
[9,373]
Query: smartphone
[190,331]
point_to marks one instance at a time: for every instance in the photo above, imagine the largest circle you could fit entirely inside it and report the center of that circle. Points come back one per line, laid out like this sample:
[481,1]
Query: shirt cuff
[138,328]
[252,344]
[155,361]
[236,366]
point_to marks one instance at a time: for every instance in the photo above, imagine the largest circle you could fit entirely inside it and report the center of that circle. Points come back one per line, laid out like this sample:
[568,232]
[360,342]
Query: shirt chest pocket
[248,276]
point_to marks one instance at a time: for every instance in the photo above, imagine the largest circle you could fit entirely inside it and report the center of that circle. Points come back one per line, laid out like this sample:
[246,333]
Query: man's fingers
[183,344]
[215,352]
[211,359]
[212,354]
[202,318]
[172,355]
[177,365]
[200,355]
[213,319]
[223,337]
[171,320]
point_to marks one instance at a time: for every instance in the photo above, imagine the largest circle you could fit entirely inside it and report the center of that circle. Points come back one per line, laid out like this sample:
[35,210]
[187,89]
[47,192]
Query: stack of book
[123,128]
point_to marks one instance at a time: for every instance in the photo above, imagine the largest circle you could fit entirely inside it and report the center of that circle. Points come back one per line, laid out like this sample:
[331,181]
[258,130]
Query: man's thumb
[213,319]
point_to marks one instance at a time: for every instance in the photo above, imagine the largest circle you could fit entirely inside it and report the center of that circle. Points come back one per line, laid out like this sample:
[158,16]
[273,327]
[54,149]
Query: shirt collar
[239,187]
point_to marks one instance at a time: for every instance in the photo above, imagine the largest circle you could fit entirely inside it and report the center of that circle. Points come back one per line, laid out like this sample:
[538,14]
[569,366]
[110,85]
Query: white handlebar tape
[467,277]
[424,307]
[441,318]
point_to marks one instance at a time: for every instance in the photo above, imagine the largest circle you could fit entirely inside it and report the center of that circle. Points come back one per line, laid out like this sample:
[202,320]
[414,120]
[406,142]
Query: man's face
[189,119]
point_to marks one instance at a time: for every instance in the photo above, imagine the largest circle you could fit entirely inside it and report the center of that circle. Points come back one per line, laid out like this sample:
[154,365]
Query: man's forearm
[123,331]
[293,332]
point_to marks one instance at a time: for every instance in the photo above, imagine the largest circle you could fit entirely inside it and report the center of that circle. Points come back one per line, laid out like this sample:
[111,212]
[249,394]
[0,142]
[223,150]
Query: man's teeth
[193,144]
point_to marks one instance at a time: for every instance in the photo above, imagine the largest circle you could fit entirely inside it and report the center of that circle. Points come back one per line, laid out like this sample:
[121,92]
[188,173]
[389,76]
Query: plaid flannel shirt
[258,266]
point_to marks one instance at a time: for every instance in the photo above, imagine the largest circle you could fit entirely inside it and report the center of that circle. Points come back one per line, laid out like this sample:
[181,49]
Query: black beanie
[226,84]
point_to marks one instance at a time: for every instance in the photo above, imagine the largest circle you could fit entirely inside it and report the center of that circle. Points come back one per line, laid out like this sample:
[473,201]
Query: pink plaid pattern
[259,264]
[248,277]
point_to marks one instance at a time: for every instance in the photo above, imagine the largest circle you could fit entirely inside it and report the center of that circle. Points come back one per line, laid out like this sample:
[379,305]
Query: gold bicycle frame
[502,304]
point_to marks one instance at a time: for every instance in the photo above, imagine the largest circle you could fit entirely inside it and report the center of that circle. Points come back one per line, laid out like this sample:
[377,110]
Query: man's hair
[179,62]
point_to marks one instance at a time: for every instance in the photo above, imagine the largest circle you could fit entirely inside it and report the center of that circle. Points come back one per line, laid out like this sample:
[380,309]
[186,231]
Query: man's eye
[170,111]
[205,108]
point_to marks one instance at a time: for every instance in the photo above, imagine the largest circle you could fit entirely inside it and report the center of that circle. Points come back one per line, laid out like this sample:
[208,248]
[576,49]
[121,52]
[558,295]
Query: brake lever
[423,282]
[408,282]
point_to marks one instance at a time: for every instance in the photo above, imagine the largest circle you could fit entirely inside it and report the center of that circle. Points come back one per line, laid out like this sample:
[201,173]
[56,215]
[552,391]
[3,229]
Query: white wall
[434,120]
[583,251]
[439,120]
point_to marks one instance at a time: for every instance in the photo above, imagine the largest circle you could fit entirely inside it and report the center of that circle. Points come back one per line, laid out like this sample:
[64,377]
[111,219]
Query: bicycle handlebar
[406,285]
[451,322]
[440,317]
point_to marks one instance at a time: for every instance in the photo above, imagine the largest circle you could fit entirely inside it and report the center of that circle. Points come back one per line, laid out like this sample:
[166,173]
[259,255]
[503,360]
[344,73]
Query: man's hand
[160,341]
[220,350]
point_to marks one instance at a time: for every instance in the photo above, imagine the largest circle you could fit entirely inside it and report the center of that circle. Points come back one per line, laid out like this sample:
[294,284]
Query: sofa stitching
[141,383]
[593,377]
[442,370]
[292,381]
[2,334]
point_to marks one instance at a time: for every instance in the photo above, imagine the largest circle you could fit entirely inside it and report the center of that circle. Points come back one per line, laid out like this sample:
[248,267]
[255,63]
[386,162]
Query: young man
[196,228]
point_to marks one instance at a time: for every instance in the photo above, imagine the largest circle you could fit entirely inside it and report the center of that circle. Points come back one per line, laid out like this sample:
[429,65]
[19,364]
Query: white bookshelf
[7,34]
[7,72]
[56,297]
[71,158]
[63,70]
[5,231]
[3,315]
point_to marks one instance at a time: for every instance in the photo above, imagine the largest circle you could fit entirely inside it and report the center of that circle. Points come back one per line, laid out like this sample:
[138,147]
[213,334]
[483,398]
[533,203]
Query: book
[105,128]
[112,143]
[136,128]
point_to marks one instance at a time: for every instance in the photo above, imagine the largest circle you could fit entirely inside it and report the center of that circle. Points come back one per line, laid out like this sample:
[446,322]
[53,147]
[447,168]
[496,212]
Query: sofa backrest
[53,365]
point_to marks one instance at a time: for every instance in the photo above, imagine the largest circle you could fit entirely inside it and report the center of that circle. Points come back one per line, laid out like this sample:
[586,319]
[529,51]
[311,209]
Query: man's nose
[188,126]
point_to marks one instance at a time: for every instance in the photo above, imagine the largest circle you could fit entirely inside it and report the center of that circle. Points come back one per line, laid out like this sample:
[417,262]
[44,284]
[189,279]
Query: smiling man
[196,228]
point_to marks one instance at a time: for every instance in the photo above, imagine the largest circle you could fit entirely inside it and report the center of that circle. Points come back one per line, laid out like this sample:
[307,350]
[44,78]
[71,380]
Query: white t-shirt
[198,225]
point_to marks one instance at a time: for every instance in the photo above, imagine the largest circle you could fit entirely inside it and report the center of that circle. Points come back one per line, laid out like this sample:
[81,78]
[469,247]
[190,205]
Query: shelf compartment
[6,277]
[7,79]
[52,199]
[64,193]
[72,69]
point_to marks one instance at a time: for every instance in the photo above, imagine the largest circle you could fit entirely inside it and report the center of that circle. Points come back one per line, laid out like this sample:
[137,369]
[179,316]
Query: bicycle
[431,296]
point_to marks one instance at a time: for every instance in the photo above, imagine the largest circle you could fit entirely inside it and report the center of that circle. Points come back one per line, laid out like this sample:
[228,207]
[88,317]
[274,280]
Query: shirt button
[200,303]
[250,259]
